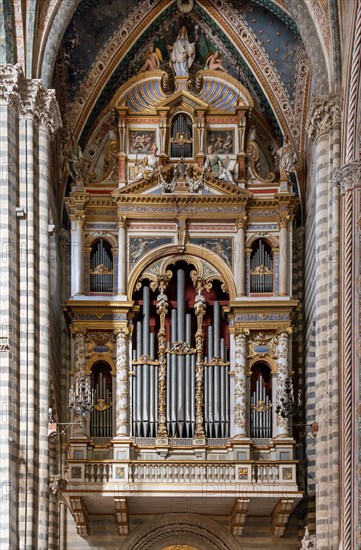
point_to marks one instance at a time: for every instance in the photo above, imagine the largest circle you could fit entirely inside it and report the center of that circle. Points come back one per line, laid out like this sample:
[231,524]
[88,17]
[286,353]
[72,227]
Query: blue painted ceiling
[95,22]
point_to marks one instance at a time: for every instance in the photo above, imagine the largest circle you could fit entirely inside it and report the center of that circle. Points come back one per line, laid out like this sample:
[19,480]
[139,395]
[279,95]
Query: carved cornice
[349,176]
[324,113]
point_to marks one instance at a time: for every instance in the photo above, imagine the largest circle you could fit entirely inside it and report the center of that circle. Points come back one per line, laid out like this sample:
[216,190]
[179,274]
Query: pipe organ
[101,424]
[182,133]
[261,411]
[101,267]
[180,369]
[261,268]
[195,334]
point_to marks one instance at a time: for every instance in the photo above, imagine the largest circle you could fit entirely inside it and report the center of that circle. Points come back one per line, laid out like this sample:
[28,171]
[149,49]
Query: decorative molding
[324,113]
[193,529]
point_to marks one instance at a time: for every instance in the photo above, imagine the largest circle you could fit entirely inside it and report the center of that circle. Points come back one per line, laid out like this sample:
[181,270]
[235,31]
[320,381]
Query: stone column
[9,381]
[48,123]
[283,257]
[79,340]
[240,383]
[122,255]
[77,251]
[121,382]
[323,127]
[240,256]
[162,310]
[349,179]
[200,309]
[281,429]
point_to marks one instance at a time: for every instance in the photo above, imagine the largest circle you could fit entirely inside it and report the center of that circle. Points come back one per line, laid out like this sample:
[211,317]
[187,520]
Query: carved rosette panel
[122,393]
[240,389]
[282,375]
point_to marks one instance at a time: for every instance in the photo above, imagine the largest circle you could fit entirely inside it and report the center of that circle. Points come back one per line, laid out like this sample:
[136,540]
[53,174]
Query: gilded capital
[122,222]
[241,222]
[76,329]
[122,330]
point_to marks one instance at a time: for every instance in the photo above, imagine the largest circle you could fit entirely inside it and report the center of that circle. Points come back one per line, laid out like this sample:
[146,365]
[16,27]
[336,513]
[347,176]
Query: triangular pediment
[183,97]
[212,186]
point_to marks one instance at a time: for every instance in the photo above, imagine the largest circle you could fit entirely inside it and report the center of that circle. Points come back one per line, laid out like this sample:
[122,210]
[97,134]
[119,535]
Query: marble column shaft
[240,385]
[122,256]
[121,383]
[323,128]
[281,429]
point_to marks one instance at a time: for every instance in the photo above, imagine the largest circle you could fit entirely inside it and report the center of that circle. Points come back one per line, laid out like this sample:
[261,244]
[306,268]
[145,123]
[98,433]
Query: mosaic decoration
[221,247]
[222,141]
[139,246]
[141,141]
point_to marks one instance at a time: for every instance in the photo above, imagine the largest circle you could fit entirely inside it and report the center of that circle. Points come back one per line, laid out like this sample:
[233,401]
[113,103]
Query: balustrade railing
[182,472]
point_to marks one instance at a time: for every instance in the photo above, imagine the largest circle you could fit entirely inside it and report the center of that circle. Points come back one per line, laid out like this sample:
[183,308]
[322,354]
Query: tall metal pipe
[193,392]
[146,307]
[152,345]
[216,323]
[139,339]
[169,382]
[181,304]
[188,377]
[174,375]
[210,342]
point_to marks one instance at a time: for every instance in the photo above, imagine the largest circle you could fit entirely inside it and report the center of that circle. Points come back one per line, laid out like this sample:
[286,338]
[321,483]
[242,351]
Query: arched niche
[189,530]
[192,254]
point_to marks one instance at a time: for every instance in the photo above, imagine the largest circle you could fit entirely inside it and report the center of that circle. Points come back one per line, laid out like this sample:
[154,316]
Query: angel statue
[287,158]
[214,62]
[153,59]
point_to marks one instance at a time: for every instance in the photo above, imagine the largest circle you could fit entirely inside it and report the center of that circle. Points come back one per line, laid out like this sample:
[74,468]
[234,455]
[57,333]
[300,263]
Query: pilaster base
[121,448]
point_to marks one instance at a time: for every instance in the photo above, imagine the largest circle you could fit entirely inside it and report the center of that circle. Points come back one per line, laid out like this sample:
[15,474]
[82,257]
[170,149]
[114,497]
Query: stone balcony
[220,487]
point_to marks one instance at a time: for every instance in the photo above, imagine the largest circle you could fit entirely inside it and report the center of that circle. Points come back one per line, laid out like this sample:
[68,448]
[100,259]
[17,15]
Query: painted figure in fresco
[182,53]
[139,247]
[219,247]
[75,154]
[149,165]
[287,158]
[215,165]
[214,62]
[228,143]
[153,59]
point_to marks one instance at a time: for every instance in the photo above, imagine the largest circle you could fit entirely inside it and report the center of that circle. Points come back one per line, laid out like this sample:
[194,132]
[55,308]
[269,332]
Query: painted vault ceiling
[94,25]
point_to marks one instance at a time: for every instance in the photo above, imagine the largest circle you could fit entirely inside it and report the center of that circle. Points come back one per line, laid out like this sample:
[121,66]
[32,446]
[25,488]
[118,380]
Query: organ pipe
[101,269]
[182,368]
[261,416]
